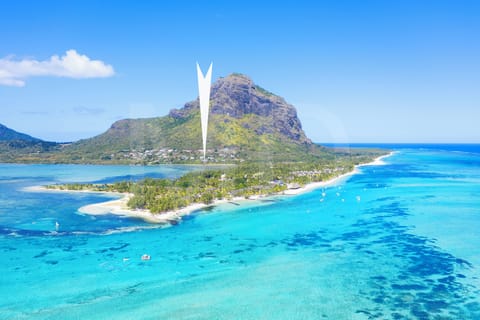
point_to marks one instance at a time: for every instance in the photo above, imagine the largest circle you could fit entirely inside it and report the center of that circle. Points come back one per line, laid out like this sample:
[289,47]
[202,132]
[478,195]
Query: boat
[146,257]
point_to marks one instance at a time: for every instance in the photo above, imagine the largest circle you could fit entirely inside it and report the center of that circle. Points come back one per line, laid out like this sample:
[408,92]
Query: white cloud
[70,65]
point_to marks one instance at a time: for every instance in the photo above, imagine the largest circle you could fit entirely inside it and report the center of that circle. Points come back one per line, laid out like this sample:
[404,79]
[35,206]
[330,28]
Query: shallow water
[397,241]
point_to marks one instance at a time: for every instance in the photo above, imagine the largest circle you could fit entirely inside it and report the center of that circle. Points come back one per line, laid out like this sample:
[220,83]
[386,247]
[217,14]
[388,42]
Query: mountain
[246,122]
[236,97]
[7,134]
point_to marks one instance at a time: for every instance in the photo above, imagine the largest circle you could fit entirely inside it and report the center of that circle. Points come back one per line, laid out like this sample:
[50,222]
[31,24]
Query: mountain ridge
[237,95]
[8,134]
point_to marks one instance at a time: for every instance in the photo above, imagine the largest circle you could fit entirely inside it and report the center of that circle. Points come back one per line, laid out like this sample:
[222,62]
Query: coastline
[119,206]
[316,185]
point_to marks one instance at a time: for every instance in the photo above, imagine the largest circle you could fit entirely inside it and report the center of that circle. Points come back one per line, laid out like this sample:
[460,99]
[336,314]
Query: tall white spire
[204,83]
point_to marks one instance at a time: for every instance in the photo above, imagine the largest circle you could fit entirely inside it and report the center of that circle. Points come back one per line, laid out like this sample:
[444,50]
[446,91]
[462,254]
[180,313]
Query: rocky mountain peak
[238,96]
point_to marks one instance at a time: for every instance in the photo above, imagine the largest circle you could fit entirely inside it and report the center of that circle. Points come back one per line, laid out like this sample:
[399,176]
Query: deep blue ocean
[395,241]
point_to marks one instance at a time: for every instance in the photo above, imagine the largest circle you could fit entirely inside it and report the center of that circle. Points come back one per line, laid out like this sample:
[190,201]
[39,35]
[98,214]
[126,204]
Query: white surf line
[204,83]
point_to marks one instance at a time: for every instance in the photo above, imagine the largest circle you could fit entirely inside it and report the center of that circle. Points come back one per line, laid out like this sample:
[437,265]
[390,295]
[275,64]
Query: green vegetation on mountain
[246,123]
[20,147]
[24,151]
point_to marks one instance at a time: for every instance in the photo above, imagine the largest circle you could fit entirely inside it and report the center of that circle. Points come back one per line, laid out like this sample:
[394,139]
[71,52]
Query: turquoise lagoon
[396,241]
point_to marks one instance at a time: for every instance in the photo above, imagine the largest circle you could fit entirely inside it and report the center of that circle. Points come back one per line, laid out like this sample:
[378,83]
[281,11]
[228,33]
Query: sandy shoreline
[119,206]
[316,185]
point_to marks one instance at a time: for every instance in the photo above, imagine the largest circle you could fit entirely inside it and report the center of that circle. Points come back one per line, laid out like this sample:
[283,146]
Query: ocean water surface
[396,241]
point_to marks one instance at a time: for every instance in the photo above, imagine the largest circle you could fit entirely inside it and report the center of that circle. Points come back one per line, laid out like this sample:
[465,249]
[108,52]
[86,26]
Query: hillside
[7,134]
[20,147]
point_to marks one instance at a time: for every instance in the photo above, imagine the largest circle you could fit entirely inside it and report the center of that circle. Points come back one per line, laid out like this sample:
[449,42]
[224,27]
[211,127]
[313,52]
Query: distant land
[7,134]
[21,147]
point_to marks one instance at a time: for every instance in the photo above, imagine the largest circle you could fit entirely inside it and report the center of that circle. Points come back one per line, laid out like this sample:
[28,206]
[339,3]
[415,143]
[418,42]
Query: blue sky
[357,71]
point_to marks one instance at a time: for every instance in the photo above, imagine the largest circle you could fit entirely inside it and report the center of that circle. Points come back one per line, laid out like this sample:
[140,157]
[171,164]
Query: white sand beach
[321,184]
[119,207]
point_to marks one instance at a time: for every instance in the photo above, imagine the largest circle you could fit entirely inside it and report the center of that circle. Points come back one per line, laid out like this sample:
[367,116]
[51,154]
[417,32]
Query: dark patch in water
[119,247]
[428,279]
[464,263]
[366,312]
[206,255]
[7,248]
[190,216]
[133,289]
[419,313]
[314,239]
[356,235]
[397,316]
[207,209]
[449,279]
[385,199]
[42,254]
[268,201]
[393,209]
[435,305]
[52,262]
[271,244]
[428,196]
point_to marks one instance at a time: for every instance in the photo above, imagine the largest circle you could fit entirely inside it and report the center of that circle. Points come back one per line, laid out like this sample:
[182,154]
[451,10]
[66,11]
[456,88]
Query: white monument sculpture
[204,83]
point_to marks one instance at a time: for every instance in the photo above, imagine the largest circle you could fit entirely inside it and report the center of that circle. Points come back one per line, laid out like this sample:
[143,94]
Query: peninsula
[255,131]
[166,201]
